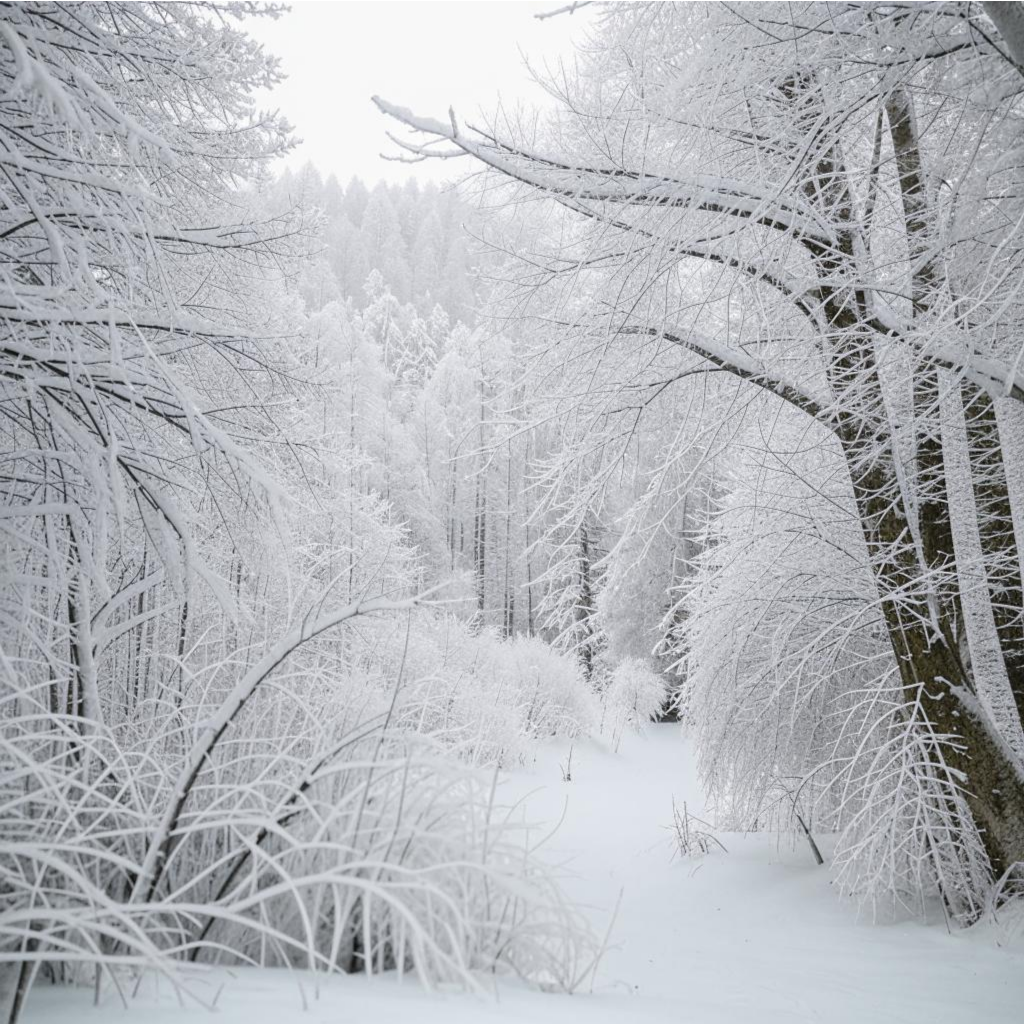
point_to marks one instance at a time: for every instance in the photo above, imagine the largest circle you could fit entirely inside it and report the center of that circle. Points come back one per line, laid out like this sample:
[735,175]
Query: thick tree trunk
[921,630]
[923,637]
[931,669]
[998,539]
[923,634]
[934,522]
[988,474]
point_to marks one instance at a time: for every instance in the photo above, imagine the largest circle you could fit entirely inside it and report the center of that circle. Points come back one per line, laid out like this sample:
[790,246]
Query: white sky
[426,56]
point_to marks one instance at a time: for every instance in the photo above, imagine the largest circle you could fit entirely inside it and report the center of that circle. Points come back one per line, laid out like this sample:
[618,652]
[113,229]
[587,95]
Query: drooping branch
[163,838]
[574,185]
[619,186]
[742,366]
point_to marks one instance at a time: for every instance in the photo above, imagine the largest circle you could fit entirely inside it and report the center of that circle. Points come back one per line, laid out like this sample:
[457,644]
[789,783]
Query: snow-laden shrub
[490,697]
[635,696]
[795,701]
[174,782]
[312,834]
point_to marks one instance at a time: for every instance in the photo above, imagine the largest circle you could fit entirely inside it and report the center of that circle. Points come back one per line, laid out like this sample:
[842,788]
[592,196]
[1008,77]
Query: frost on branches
[794,231]
[216,744]
[316,515]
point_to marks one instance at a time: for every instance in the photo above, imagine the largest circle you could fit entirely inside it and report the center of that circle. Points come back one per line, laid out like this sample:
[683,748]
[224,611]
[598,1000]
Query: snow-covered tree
[209,475]
[810,203]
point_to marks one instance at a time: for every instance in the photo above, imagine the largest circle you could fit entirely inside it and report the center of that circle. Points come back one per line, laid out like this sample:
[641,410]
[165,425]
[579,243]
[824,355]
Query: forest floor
[754,934]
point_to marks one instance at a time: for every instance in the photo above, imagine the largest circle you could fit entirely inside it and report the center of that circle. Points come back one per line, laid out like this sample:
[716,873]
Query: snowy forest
[666,459]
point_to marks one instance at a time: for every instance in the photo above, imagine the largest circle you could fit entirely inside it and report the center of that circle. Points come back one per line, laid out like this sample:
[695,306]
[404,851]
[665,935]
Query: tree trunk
[584,609]
[920,628]
[998,539]
[988,474]
[925,648]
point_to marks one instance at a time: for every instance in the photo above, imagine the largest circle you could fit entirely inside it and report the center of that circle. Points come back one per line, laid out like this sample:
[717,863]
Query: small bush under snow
[488,697]
[635,695]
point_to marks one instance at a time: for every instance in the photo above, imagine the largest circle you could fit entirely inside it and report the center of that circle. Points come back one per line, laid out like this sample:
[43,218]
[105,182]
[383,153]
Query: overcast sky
[425,56]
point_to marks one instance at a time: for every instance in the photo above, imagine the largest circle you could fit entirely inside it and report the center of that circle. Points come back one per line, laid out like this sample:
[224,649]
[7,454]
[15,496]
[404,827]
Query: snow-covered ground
[751,935]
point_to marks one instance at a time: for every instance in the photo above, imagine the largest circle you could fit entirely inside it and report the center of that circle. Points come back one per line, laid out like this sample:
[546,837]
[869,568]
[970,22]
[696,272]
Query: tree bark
[988,474]
[998,539]
[921,631]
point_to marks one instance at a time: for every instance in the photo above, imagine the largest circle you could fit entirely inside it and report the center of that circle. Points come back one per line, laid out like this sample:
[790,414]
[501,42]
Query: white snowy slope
[754,934]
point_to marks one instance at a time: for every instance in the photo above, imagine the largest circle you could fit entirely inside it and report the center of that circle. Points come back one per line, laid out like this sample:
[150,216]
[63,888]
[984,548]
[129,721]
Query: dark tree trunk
[922,627]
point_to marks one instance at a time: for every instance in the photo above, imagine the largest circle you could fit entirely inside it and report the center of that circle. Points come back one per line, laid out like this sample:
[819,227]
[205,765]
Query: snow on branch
[213,730]
[582,183]
[745,367]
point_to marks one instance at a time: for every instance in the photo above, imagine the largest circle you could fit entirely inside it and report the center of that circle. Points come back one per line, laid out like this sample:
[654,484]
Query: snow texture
[752,934]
